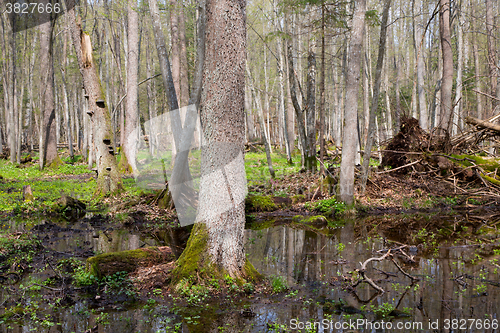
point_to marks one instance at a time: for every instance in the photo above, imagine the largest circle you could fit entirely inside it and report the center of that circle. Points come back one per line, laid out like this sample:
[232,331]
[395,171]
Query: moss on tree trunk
[196,261]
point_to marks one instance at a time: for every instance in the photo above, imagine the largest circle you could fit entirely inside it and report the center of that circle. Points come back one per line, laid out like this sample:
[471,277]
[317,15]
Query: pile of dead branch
[462,160]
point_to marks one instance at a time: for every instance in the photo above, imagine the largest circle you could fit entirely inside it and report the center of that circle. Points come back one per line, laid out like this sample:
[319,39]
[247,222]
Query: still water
[456,288]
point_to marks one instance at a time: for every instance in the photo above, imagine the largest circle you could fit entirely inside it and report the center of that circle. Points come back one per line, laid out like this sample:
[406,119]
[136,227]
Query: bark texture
[217,239]
[346,181]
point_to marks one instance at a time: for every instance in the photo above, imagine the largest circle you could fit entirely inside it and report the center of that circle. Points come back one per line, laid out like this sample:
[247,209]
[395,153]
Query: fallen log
[128,261]
[482,123]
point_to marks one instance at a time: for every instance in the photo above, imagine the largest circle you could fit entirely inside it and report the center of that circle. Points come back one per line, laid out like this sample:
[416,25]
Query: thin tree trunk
[447,54]
[492,62]
[460,62]
[322,95]
[184,82]
[298,111]
[131,110]
[174,38]
[261,122]
[419,35]
[49,111]
[283,110]
[310,164]
[477,68]
[376,91]
[346,181]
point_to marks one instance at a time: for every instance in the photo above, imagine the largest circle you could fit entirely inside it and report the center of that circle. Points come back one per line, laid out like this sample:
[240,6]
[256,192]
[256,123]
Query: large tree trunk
[346,181]
[108,179]
[447,53]
[216,241]
[49,112]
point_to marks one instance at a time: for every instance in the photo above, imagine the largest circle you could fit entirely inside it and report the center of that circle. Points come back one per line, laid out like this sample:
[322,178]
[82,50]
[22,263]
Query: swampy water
[456,281]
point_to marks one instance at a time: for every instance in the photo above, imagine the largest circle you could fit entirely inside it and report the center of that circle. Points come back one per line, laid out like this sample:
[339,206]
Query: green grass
[257,170]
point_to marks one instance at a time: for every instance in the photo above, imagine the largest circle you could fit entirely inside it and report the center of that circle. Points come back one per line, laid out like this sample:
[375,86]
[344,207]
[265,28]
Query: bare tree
[50,156]
[447,53]
[346,181]
[492,62]
[108,178]
[376,91]
[131,110]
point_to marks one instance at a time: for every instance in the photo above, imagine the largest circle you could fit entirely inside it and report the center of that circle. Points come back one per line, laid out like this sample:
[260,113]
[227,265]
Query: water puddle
[456,281]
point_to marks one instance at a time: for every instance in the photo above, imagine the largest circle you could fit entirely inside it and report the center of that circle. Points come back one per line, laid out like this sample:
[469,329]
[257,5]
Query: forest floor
[294,197]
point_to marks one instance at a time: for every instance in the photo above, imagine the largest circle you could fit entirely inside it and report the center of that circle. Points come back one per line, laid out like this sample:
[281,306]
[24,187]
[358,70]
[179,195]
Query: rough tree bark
[346,181]
[215,246]
[108,179]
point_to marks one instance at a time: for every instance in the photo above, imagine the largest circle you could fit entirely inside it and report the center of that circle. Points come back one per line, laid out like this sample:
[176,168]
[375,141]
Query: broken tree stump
[27,193]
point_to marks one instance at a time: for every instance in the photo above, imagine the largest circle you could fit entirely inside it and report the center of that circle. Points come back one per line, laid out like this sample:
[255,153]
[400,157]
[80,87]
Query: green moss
[317,219]
[194,258]
[491,179]
[195,261]
[298,198]
[260,203]
[56,163]
[123,165]
[328,206]
[487,163]
[262,225]
[251,274]
[125,261]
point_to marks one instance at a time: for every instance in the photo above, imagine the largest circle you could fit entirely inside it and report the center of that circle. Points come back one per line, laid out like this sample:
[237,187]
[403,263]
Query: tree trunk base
[195,261]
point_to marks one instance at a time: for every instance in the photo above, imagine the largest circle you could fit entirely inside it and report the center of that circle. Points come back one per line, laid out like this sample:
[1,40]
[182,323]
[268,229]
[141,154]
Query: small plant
[328,206]
[248,288]
[102,319]
[82,277]
[279,284]
[384,310]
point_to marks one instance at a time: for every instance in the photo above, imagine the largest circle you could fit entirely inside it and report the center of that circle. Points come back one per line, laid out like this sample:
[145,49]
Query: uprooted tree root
[458,161]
